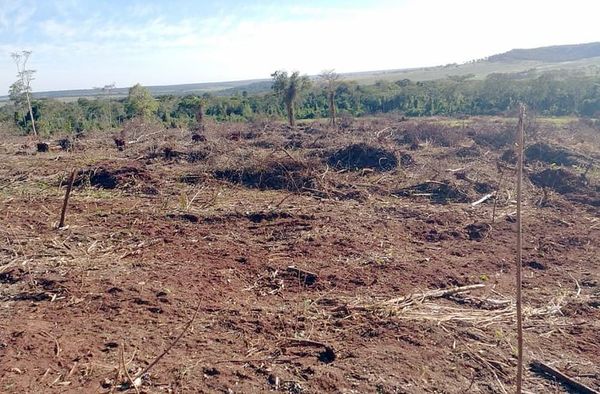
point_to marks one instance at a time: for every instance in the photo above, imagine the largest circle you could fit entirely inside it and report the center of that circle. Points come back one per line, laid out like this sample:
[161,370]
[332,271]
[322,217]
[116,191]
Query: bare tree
[331,81]
[25,77]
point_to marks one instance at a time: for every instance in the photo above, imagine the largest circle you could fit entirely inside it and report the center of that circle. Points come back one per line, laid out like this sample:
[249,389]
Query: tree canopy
[289,87]
[140,102]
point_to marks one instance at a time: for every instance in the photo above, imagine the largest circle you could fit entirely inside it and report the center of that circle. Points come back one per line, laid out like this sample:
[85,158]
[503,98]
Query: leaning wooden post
[61,224]
[520,148]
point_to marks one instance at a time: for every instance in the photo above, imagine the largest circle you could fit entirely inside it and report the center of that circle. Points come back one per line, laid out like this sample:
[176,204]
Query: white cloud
[55,29]
[142,9]
[254,40]
[14,15]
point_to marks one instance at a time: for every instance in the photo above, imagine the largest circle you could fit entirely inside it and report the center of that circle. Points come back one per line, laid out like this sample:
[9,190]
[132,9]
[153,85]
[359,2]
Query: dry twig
[168,349]
[540,367]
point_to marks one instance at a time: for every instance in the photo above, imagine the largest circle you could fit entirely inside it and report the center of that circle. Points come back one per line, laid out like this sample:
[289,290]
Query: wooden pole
[520,148]
[61,224]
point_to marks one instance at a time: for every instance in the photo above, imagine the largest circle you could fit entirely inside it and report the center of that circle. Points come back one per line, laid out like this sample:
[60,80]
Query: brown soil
[292,286]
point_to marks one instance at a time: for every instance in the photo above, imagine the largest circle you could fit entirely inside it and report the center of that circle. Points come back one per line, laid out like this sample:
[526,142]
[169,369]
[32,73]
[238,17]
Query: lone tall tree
[289,87]
[140,102]
[330,78]
[23,83]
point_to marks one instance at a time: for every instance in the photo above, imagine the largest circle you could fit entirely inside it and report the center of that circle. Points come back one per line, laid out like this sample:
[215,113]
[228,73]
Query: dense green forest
[549,94]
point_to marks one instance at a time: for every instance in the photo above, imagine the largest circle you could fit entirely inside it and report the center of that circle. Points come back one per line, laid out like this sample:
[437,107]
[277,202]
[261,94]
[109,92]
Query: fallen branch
[137,379]
[434,294]
[143,136]
[130,380]
[544,369]
[483,199]
[307,342]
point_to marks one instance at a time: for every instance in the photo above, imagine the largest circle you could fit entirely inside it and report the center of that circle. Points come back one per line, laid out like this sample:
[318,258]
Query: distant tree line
[549,94]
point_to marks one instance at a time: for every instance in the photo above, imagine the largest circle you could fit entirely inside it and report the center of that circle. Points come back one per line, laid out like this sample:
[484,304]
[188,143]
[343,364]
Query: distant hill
[557,53]
[178,90]
[583,58]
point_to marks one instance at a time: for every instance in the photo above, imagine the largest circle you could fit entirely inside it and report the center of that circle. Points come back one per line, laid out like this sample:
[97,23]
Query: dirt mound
[198,137]
[494,138]
[550,154]
[359,156]
[509,156]
[169,153]
[197,155]
[438,192]
[559,180]
[574,187]
[109,176]
[468,151]
[478,231]
[277,175]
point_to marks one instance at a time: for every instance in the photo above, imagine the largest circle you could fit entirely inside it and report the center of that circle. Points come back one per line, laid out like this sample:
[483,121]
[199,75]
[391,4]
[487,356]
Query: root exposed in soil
[494,138]
[468,151]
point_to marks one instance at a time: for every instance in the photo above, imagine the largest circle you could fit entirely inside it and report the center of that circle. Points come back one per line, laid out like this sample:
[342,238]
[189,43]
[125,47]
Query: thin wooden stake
[61,224]
[520,142]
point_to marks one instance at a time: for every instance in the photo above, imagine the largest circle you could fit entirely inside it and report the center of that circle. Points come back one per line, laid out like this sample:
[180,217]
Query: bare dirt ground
[368,216]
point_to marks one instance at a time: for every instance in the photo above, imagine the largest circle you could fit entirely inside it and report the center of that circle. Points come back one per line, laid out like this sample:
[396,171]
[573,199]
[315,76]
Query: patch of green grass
[557,121]
[451,122]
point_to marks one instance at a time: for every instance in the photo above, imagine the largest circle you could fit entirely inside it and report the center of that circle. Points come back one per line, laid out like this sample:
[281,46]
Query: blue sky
[86,43]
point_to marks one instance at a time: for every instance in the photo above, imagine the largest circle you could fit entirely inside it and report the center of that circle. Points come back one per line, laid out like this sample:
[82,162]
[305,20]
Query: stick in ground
[61,223]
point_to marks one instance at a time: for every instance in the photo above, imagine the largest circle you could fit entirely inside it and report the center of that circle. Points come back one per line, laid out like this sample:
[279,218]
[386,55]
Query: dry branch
[483,199]
[138,139]
[432,294]
[63,212]
[544,369]
[168,349]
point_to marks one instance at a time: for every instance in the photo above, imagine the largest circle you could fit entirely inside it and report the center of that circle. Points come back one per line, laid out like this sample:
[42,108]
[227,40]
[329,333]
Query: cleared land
[366,216]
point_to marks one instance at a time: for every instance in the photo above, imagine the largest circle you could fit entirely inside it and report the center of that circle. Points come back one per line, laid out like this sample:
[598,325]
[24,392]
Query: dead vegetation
[105,175]
[360,156]
[275,174]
